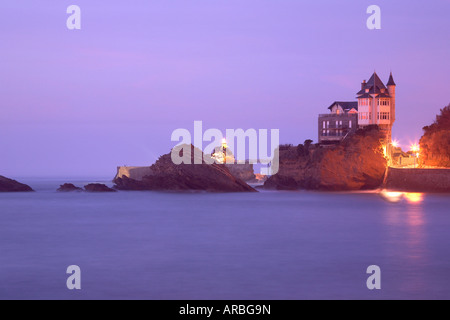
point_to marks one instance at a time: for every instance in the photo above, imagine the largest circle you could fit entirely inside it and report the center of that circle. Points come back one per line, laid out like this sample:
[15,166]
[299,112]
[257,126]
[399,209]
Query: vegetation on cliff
[358,163]
[435,143]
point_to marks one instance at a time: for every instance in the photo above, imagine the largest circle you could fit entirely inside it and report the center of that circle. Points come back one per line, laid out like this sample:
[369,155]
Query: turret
[391,89]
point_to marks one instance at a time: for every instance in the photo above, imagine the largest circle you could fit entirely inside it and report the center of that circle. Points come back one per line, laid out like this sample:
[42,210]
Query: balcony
[335,115]
[333,133]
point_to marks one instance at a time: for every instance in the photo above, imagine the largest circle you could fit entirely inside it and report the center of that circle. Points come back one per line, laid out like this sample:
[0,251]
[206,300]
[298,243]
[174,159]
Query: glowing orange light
[222,156]
[414,197]
[390,196]
[415,147]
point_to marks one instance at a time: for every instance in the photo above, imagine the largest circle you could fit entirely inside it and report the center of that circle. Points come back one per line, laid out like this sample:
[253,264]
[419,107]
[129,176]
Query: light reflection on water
[414,197]
[395,196]
[412,244]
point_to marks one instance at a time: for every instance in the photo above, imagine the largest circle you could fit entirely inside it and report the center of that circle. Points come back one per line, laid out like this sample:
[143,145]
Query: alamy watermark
[374,21]
[233,144]
[374,281]
[74,280]
[74,20]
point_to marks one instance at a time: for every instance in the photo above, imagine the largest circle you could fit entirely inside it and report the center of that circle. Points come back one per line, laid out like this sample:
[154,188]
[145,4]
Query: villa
[375,105]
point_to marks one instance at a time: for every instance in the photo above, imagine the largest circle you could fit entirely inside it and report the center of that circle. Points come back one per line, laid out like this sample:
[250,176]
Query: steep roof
[364,96]
[375,81]
[345,105]
[375,86]
[391,81]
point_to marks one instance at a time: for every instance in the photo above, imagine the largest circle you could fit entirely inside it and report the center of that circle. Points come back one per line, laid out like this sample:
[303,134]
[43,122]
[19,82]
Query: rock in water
[97,187]
[9,185]
[68,187]
[358,163]
[167,176]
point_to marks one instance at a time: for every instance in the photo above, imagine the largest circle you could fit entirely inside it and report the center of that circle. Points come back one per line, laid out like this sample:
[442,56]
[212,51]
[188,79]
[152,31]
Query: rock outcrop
[242,171]
[167,176]
[358,163]
[68,187]
[97,187]
[9,185]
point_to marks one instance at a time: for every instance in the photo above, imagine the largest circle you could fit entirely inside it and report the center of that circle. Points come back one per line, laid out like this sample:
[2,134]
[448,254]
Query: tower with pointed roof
[376,104]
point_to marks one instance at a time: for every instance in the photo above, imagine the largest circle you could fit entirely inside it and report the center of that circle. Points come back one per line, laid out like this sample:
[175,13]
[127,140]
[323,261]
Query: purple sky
[79,103]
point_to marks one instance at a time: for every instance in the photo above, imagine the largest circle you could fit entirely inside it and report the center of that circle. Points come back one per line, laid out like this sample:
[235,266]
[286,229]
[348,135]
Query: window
[350,124]
[365,115]
[384,116]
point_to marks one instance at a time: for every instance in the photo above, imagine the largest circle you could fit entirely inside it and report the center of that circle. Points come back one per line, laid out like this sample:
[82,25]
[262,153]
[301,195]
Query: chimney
[363,84]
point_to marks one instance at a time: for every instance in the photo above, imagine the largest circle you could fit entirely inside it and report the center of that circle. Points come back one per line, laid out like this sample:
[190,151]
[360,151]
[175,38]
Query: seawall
[136,173]
[418,180]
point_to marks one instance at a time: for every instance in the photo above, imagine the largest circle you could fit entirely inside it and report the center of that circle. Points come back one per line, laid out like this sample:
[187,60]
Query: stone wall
[418,180]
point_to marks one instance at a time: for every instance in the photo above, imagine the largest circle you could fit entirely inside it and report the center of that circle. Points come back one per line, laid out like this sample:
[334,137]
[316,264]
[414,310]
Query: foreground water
[269,245]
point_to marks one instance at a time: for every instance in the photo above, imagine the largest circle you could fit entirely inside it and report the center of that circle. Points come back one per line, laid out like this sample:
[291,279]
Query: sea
[271,245]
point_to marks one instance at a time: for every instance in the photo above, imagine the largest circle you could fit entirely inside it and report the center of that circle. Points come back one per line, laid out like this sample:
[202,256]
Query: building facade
[375,105]
[341,121]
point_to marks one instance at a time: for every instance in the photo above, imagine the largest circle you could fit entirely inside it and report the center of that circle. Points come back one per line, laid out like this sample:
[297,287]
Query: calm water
[270,245]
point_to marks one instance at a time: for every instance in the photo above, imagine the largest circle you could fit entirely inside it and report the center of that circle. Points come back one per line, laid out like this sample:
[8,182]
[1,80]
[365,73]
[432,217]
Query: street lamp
[395,144]
[389,151]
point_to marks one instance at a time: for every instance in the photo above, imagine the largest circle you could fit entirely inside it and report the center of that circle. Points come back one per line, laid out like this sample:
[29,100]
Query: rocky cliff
[358,163]
[166,176]
[9,185]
